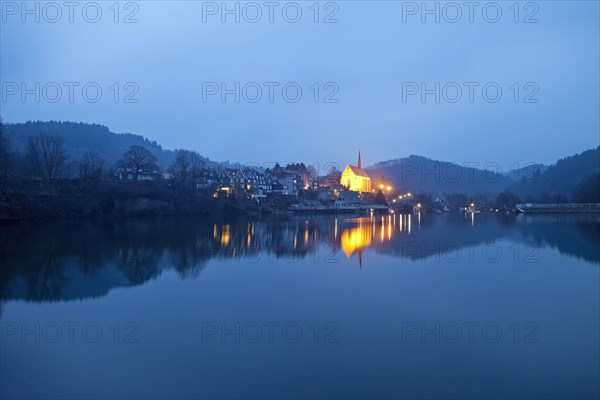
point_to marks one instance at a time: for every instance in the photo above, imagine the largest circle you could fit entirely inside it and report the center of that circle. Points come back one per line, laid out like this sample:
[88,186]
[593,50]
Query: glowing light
[355,239]
[225,236]
[355,180]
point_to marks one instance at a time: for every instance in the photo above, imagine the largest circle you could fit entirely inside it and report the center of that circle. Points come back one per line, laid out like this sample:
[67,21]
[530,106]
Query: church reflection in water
[80,259]
[300,237]
[362,233]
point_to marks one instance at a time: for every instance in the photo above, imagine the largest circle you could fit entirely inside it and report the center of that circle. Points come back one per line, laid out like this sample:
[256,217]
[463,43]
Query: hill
[421,174]
[561,178]
[81,138]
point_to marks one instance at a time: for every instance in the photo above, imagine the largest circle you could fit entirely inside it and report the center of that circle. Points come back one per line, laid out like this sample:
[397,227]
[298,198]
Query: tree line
[42,181]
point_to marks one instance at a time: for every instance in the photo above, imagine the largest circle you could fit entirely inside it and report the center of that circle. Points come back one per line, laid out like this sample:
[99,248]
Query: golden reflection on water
[357,238]
[353,235]
[364,230]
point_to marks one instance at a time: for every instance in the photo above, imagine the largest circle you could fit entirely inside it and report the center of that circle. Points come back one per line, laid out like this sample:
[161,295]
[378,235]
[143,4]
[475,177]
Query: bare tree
[187,167]
[91,167]
[47,156]
[137,159]
[6,162]
[181,167]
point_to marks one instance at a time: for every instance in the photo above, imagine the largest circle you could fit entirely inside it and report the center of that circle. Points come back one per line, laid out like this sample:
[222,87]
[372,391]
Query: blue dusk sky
[370,61]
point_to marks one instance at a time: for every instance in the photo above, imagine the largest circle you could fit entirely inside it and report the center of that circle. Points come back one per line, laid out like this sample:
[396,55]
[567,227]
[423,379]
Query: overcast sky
[370,68]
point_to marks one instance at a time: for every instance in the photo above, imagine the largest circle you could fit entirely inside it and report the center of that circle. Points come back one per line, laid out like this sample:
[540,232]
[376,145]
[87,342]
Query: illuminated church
[356,178]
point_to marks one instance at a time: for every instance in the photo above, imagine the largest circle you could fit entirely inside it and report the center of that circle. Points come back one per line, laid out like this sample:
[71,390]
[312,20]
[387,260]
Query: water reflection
[357,238]
[82,259]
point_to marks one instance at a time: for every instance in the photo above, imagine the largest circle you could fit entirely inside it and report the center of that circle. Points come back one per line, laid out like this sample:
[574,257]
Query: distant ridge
[563,176]
[81,138]
[417,173]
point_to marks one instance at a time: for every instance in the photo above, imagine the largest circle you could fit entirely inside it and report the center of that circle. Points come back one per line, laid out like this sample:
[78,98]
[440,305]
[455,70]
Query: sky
[314,81]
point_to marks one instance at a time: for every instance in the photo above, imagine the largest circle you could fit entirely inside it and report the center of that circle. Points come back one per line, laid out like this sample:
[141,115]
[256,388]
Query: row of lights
[384,187]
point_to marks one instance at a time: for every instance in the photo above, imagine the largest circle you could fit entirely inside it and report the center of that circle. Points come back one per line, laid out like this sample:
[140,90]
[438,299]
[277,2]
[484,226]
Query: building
[232,179]
[325,193]
[347,200]
[283,183]
[129,174]
[355,178]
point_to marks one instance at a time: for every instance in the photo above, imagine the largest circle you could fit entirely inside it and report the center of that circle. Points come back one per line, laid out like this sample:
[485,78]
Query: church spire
[359,162]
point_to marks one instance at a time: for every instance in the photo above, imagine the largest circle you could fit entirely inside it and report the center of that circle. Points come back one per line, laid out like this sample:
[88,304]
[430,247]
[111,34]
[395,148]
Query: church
[355,178]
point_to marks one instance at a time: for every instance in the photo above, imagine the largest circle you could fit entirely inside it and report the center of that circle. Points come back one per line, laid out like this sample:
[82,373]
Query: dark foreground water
[430,306]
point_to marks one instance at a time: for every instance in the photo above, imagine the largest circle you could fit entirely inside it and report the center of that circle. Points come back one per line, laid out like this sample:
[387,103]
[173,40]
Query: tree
[588,190]
[137,159]
[47,155]
[380,199]
[457,199]
[91,167]
[187,167]
[333,177]
[6,162]
[507,200]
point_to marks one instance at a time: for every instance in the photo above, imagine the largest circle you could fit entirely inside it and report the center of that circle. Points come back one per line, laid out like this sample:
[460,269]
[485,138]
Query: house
[265,182]
[301,180]
[325,193]
[259,184]
[283,183]
[233,179]
[347,199]
[129,174]
[355,178]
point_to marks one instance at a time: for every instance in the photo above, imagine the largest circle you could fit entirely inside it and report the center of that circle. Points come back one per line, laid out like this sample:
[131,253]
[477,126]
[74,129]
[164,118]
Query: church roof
[358,171]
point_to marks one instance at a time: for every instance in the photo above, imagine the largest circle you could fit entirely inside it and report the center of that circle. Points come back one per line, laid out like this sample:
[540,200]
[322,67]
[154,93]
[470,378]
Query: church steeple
[359,161]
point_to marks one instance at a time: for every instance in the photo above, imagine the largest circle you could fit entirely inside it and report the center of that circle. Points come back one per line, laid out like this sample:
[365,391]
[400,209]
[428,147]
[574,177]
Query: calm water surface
[416,306]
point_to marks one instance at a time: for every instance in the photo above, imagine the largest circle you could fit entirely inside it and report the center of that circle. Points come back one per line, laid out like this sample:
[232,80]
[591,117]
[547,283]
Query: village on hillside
[350,190]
